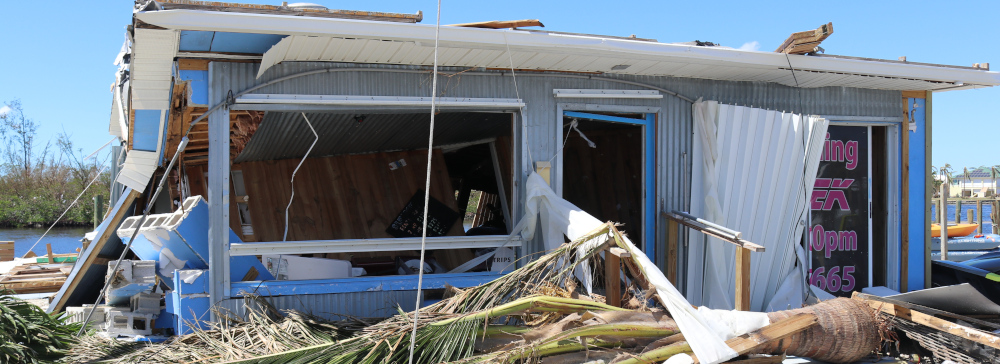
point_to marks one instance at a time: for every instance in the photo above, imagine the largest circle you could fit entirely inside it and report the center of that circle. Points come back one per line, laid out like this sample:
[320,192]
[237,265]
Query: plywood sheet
[340,197]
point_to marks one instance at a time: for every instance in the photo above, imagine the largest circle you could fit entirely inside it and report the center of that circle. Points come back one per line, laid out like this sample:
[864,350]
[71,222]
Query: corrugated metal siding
[336,306]
[541,126]
[285,134]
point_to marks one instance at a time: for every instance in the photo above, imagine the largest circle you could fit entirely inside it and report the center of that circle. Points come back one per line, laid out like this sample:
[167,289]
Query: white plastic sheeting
[706,331]
[753,172]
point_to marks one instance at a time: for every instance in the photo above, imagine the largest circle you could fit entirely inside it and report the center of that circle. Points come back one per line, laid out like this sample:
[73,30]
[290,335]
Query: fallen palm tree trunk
[847,331]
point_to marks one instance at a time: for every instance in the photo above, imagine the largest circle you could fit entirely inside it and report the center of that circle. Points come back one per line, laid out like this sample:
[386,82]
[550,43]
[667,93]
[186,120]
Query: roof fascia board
[477,38]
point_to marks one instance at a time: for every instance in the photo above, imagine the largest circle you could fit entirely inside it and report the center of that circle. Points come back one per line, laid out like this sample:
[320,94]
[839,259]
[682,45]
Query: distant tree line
[39,182]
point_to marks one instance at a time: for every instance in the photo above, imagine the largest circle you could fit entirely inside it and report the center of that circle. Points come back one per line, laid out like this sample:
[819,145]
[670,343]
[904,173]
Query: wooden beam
[502,24]
[673,235]
[747,343]
[805,42]
[935,323]
[612,275]
[188,64]
[119,215]
[915,94]
[742,279]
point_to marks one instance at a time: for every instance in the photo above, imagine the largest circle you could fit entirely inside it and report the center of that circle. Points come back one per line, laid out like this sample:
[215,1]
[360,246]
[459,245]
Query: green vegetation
[29,335]
[38,183]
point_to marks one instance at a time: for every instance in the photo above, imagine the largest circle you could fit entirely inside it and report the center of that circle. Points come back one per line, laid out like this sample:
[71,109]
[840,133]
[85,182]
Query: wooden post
[979,216]
[612,275]
[970,216]
[98,210]
[944,217]
[742,279]
[958,210]
[995,216]
[52,258]
[673,235]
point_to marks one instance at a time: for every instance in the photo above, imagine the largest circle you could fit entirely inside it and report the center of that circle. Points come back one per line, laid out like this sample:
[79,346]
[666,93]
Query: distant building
[977,183]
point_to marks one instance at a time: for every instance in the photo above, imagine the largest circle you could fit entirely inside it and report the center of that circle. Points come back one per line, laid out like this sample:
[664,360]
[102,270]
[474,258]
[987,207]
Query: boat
[954,231]
[965,248]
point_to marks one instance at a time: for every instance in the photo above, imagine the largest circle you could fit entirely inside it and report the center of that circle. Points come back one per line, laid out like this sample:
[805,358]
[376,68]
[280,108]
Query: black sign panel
[410,222]
[838,236]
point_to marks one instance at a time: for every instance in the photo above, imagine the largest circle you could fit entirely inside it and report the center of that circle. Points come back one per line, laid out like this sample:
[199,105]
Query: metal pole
[944,216]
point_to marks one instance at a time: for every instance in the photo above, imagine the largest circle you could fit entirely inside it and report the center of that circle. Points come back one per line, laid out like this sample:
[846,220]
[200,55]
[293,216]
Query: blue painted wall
[917,194]
[146,135]
[199,85]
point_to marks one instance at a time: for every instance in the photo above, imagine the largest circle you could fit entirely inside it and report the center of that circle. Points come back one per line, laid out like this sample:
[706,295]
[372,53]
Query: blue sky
[57,57]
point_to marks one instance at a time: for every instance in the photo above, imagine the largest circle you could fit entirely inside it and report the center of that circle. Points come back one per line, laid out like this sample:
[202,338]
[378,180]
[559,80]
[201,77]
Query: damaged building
[300,136]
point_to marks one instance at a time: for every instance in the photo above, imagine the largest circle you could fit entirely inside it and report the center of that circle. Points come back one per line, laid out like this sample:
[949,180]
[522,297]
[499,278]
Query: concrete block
[179,241]
[78,314]
[120,321]
[133,277]
[146,303]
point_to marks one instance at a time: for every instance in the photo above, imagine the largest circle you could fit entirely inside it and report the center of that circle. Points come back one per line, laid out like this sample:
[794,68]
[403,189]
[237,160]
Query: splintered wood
[807,41]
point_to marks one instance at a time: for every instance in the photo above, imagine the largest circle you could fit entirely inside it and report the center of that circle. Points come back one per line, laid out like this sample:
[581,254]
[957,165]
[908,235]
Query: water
[987,208]
[63,240]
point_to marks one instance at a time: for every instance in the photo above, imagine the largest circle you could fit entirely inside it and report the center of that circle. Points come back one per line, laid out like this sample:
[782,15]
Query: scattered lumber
[959,341]
[805,42]
[502,24]
[6,251]
[36,277]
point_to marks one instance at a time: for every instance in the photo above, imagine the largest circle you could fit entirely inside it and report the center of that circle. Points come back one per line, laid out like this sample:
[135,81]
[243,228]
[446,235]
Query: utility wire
[292,197]
[101,171]
[427,186]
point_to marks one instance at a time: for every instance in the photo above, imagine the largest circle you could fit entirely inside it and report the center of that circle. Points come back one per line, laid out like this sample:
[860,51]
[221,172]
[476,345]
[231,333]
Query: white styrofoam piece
[291,267]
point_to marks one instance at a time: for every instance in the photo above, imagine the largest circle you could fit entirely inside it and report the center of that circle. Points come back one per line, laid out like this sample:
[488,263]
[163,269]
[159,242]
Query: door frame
[648,243]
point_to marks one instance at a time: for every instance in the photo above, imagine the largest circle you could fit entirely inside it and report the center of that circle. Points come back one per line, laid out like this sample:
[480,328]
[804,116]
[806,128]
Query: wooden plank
[59,305]
[48,248]
[914,95]
[805,42]
[502,24]
[612,275]
[776,331]
[742,279]
[187,64]
[945,326]
[673,235]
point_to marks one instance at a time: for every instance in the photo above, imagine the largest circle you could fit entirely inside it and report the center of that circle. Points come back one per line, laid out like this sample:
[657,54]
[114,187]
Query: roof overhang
[359,41]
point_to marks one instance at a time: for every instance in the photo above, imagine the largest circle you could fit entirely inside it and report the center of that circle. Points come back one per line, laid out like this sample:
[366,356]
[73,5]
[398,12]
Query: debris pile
[538,313]
[133,301]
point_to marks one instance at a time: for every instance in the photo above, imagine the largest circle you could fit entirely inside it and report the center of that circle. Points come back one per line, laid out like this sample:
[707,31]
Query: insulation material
[557,217]
[755,169]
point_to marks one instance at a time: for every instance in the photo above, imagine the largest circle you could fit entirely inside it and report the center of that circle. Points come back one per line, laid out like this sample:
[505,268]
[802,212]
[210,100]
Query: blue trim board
[649,133]
[614,119]
[363,284]
[917,193]
[146,135]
